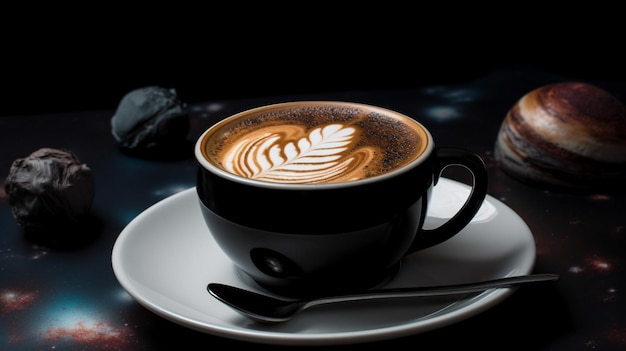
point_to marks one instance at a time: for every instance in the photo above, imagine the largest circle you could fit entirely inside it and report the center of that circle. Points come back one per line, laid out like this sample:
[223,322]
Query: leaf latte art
[288,154]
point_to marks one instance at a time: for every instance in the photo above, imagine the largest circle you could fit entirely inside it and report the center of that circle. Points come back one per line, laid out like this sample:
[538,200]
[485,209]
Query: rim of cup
[202,161]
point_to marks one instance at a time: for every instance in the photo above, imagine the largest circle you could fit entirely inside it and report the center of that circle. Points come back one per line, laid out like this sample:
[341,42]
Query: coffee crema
[314,143]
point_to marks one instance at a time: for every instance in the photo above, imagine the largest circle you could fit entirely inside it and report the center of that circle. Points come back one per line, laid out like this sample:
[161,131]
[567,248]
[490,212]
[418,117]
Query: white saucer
[165,258]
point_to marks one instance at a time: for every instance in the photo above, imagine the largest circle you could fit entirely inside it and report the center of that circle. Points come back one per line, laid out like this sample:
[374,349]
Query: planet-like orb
[568,136]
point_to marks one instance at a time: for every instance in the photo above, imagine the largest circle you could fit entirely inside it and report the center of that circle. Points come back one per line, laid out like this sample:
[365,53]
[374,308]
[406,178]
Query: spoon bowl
[267,309]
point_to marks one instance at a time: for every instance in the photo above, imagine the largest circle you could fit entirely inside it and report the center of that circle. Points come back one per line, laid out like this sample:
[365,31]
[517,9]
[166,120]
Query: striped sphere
[567,135]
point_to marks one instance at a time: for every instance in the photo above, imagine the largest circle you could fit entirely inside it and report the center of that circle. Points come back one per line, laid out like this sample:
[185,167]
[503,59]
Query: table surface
[70,299]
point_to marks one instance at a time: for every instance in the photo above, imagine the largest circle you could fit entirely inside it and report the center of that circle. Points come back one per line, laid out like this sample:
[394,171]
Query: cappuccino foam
[314,143]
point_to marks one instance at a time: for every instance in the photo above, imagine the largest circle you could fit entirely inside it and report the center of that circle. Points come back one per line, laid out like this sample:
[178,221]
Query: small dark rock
[150,118]
[50,191]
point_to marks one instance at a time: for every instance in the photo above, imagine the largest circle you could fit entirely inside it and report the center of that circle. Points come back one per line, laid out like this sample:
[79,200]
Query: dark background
[81,59]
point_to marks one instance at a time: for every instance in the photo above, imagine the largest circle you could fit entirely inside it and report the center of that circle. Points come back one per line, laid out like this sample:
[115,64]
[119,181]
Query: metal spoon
[263,308]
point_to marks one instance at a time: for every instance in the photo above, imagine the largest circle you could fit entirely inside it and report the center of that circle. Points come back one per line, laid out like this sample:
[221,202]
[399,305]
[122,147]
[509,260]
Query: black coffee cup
[314,198]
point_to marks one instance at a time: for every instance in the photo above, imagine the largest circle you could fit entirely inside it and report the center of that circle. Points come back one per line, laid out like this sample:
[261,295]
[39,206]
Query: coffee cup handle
[455,157]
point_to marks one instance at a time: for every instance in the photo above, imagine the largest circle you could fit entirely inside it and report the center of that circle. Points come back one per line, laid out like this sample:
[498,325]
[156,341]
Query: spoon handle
[439,290]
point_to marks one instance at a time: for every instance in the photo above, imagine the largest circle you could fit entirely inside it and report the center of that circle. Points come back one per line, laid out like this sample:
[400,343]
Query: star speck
[599,264]
[442,113]
[99,335]
[13,300]
[576,269]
